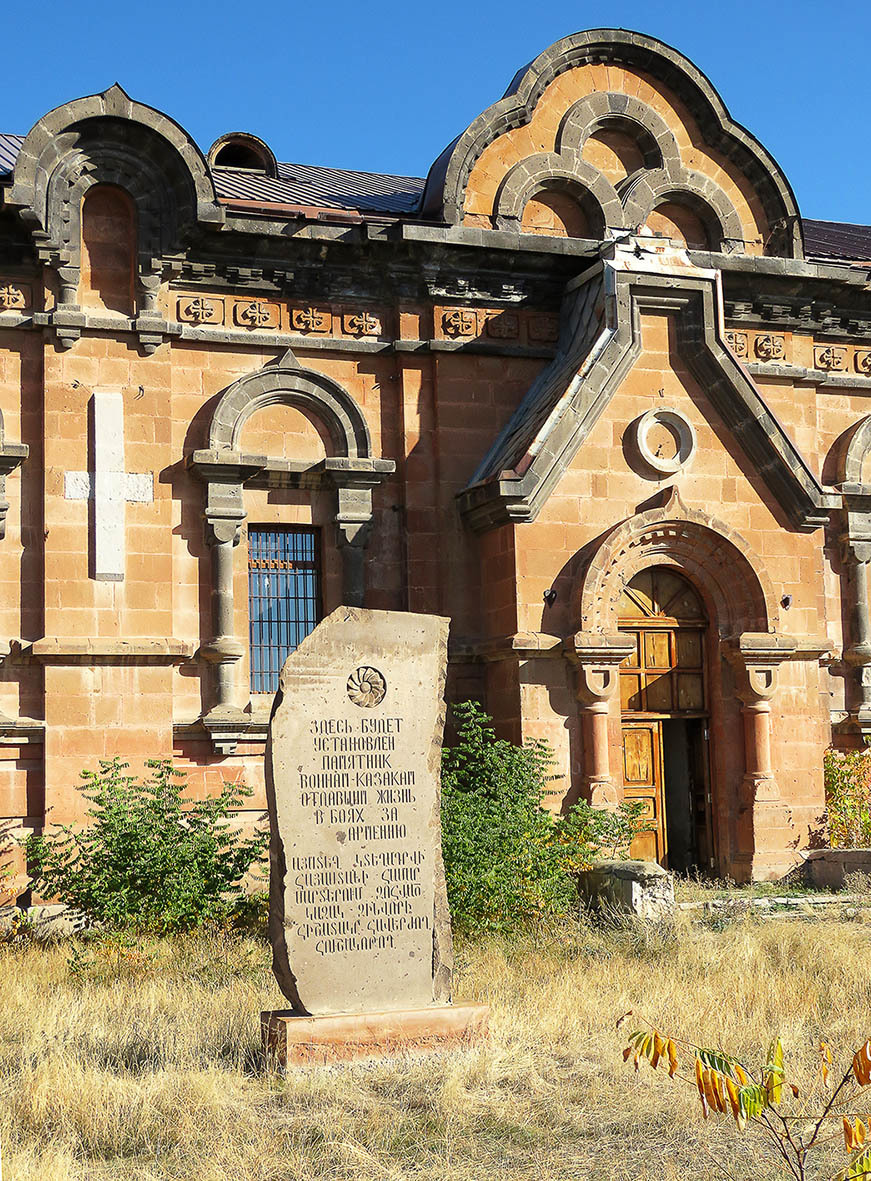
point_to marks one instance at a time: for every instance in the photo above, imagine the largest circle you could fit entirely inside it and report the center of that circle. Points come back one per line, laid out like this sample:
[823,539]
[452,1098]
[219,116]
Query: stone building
[593,389]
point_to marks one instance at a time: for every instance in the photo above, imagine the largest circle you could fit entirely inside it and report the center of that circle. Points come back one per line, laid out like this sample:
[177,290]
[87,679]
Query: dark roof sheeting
[837,240]
[329,188]
[10,146]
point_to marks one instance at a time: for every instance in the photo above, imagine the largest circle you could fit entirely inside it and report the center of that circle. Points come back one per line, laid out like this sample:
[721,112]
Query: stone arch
[857,452]
[698,193]
[445,193]
[242,145]
[109,138]
[596,195]
[313,393]
[621,112]
[717,560]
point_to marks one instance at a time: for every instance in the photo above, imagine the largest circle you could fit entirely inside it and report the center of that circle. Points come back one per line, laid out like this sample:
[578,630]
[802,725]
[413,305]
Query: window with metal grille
[284,598]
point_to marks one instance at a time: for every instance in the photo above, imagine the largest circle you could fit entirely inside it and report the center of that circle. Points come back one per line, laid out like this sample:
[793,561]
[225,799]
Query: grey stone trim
[12,455]
[258,145]
[699,193]
[857,450]
[292,386]
[605,109]
[824,379]
[57,136]
[593,374]
[446,184]
[567,172]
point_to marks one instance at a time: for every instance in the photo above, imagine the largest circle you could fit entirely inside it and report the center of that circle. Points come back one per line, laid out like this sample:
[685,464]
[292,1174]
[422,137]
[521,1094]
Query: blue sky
[385,86]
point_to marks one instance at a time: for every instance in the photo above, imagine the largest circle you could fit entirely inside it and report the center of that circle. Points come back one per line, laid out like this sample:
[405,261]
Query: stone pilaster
[756,658]
[597,658]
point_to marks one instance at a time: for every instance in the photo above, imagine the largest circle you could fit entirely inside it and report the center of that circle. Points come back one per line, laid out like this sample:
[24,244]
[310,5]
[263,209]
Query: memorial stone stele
[359,920]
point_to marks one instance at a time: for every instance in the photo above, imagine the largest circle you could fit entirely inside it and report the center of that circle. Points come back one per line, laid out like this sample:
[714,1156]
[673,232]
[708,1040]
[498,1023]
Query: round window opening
[665,440]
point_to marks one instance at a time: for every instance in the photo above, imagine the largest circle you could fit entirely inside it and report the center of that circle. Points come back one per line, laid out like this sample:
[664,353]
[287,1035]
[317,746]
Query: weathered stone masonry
[593,390]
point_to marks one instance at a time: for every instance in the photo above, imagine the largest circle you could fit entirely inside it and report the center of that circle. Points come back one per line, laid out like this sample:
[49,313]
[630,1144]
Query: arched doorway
[664,715]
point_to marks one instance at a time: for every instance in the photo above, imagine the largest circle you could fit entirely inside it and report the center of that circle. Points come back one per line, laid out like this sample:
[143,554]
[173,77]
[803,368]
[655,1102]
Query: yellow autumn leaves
[654,1047]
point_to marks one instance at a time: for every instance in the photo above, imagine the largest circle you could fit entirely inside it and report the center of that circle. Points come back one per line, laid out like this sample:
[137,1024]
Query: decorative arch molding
[857,451]
[716,559]
[350,473]
[566,171]
[110,139]
[620,112]
[448,178]
[316,395]
[85,123]
[699,193]
[741,606]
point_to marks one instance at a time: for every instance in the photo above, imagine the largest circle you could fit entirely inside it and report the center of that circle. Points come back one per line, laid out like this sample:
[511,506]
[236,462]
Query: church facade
[592,388]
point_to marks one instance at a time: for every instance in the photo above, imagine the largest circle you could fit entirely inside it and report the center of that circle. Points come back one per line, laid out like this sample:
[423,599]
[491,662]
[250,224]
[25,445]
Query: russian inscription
[359,916]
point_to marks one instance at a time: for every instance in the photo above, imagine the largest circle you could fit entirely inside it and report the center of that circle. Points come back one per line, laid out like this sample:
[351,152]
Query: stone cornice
[99,650]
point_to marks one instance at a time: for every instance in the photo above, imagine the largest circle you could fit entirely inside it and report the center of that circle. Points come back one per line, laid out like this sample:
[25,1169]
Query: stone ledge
[96,650]
[290,1040]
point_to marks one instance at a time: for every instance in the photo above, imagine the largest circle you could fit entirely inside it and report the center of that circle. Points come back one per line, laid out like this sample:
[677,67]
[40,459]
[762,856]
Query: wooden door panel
[638,751]
[642,783]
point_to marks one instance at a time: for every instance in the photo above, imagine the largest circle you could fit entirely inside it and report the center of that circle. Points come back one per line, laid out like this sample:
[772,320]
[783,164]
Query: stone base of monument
[290,1040]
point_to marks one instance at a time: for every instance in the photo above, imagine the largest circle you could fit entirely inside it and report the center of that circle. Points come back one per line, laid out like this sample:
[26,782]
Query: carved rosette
[366,687]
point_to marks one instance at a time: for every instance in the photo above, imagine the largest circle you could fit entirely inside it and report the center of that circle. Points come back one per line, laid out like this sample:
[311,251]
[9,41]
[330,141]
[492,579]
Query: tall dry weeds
[144,1064]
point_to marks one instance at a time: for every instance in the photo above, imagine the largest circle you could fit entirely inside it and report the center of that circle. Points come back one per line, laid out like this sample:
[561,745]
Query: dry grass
[145,1065]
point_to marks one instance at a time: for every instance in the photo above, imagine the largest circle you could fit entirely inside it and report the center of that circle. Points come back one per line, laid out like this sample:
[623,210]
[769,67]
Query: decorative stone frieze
[770,348]
[311,319]
[15,297]
[200,310]
[255,313]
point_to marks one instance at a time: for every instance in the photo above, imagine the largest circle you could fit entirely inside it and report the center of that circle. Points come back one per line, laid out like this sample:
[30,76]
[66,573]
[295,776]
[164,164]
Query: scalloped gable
[635,135]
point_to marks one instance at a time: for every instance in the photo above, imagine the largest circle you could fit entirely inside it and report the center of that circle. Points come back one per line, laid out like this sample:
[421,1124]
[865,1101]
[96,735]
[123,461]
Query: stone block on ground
[641,888]
[828,869]
[291,1040]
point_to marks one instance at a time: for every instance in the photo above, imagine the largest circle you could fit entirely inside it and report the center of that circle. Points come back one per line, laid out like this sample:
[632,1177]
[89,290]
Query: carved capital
[756,658]
[597,657]
[222,527]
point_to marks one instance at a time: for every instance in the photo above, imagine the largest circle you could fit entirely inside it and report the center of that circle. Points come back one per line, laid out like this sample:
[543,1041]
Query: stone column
[597,658]
[224,649]
[856,554]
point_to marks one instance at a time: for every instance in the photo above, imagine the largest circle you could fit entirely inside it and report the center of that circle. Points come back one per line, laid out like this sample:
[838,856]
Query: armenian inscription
[358,915]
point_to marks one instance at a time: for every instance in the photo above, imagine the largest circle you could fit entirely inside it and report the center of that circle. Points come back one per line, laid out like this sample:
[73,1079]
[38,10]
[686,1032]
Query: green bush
[148,859]
[848,797]
[507,859]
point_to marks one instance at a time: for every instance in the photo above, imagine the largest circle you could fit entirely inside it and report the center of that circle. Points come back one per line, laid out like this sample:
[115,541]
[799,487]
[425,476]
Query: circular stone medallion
[366,687]
[665,439]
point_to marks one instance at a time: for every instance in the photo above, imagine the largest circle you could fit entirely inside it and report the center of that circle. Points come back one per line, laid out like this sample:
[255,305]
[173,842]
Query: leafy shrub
[848,797]
[148,859]
[508,859]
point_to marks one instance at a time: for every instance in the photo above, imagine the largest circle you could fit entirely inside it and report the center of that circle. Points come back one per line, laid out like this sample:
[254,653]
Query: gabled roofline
[570,395]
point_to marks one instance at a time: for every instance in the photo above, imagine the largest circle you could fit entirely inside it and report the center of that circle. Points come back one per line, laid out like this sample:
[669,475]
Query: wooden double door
[665,767]
[665,720]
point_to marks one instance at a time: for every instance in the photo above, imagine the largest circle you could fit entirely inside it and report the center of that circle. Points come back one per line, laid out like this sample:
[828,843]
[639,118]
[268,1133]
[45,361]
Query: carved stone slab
[358,910]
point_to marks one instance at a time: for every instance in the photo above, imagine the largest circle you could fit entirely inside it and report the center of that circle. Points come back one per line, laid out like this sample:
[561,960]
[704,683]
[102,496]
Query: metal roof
[330,188]
[837,240]
[10,145]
